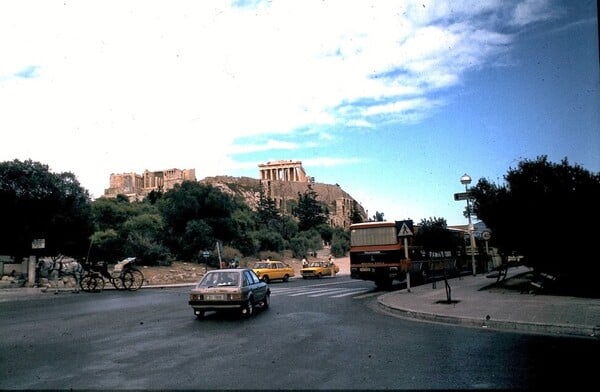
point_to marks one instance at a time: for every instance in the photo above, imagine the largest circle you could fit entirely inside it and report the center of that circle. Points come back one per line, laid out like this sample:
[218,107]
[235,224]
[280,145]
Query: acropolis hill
[281,181]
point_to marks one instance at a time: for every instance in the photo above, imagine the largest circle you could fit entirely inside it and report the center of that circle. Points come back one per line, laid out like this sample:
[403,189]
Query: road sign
[405,228]
[462,196]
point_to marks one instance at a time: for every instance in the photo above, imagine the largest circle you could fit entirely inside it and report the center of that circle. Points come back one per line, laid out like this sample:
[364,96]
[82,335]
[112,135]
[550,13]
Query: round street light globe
[465,179]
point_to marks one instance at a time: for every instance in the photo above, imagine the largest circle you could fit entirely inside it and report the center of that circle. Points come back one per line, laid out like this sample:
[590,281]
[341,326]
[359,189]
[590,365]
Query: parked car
[230,290]
[273,270]
[318,269]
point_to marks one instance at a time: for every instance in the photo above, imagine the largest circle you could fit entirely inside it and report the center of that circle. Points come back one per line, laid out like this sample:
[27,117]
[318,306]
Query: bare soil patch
[185,272]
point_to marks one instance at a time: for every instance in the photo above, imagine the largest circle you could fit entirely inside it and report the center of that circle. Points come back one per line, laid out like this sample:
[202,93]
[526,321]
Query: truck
[378,254]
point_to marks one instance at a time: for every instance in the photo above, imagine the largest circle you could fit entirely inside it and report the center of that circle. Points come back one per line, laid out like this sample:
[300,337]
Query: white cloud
[530,11]
[108,86]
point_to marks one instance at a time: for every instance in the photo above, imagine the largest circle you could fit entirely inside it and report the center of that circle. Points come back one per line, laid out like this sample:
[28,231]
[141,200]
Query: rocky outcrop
[285,194]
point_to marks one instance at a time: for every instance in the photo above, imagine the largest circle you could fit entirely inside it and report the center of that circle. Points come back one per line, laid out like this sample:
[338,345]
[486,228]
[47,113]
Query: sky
[392,100]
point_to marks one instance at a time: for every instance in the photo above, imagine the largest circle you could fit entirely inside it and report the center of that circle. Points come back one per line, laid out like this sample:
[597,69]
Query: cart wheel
[117,280]
[85,282]
[133,279]
[97,283]
[92,283]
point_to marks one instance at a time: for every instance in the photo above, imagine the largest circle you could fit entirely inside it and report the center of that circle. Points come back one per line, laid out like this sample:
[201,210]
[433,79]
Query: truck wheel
[384,284]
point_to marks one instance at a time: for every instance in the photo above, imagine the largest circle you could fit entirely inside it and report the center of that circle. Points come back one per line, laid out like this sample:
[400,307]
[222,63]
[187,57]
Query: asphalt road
[317,334]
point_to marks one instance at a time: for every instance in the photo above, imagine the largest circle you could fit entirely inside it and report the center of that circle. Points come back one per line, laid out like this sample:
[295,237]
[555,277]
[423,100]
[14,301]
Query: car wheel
[248,308]
[267,301]
[265,278]
[286,277]
[319,275]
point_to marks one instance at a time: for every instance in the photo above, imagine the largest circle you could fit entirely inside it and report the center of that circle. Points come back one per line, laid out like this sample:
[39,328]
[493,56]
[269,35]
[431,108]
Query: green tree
[105,245]
[121,225]
[305,242]
[355,215]
[309,211]
[36,203]
[542,212]
[433,236]
[244,220]
[198,236]
[269,240]
[192,201]
[143,239]
[340,242]
[110,213]
[378,217]
[266,211]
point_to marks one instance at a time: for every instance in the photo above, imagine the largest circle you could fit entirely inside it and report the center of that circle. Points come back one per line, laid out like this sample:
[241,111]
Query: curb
[499,325]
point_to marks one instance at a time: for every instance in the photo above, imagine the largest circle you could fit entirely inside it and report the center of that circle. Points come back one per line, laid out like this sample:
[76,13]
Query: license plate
[365,269]
[215,297]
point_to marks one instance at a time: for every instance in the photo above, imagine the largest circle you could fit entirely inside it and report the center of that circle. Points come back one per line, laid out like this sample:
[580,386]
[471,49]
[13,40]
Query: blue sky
[392,100]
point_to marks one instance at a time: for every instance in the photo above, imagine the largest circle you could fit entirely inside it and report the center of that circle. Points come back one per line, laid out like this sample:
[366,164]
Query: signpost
[406,230]
[36,244]
[462,196]
[486,235]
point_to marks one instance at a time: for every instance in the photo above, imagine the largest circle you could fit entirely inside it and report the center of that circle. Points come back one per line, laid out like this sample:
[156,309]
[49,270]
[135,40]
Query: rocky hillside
[338,201]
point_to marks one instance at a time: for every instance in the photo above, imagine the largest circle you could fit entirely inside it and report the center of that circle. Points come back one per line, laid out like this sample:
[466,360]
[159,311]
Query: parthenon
[282,181]
[283,171]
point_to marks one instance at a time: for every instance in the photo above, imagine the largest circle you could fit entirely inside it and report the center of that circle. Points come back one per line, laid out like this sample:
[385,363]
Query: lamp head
[465,179]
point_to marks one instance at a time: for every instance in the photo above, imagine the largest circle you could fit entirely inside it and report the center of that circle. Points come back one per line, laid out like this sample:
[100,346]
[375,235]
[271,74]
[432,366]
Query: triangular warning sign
[404,231]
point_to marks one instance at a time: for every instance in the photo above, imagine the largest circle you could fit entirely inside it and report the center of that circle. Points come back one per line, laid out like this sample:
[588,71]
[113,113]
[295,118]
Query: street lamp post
[466,180]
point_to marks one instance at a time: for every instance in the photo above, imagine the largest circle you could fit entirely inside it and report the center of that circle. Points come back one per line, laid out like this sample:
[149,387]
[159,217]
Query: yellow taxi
[318,269]
[273,270]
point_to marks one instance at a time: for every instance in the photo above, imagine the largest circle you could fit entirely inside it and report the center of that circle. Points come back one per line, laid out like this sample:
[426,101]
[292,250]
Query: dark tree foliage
[545,212]
[305,242]
[110,213]
[266,211]
[355,216]
[378,217]
[309,211]
[326,233]
[36,203]
[153,196]
[126,229]
[192,201]
[433,236]
[244,220]
[269,240]
[340,242]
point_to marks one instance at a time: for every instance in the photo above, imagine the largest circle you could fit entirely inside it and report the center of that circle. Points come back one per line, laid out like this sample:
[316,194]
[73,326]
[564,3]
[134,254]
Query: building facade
[137,186]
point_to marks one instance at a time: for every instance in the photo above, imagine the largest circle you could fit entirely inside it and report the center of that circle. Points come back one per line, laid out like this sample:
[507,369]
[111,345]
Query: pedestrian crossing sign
[405,229]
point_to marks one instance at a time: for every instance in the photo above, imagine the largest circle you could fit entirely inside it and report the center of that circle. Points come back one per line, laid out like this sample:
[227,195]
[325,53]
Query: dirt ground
[182,272]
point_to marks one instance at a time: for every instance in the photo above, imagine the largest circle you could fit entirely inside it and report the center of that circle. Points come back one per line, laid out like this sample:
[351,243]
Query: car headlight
[235,297]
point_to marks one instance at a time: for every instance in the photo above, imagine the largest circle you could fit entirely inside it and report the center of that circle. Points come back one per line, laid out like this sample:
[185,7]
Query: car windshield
[315,264]
[262,265]
[214,279]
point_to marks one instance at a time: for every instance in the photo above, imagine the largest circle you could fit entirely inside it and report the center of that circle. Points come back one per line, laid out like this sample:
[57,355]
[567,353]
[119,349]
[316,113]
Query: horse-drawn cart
[124,276]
